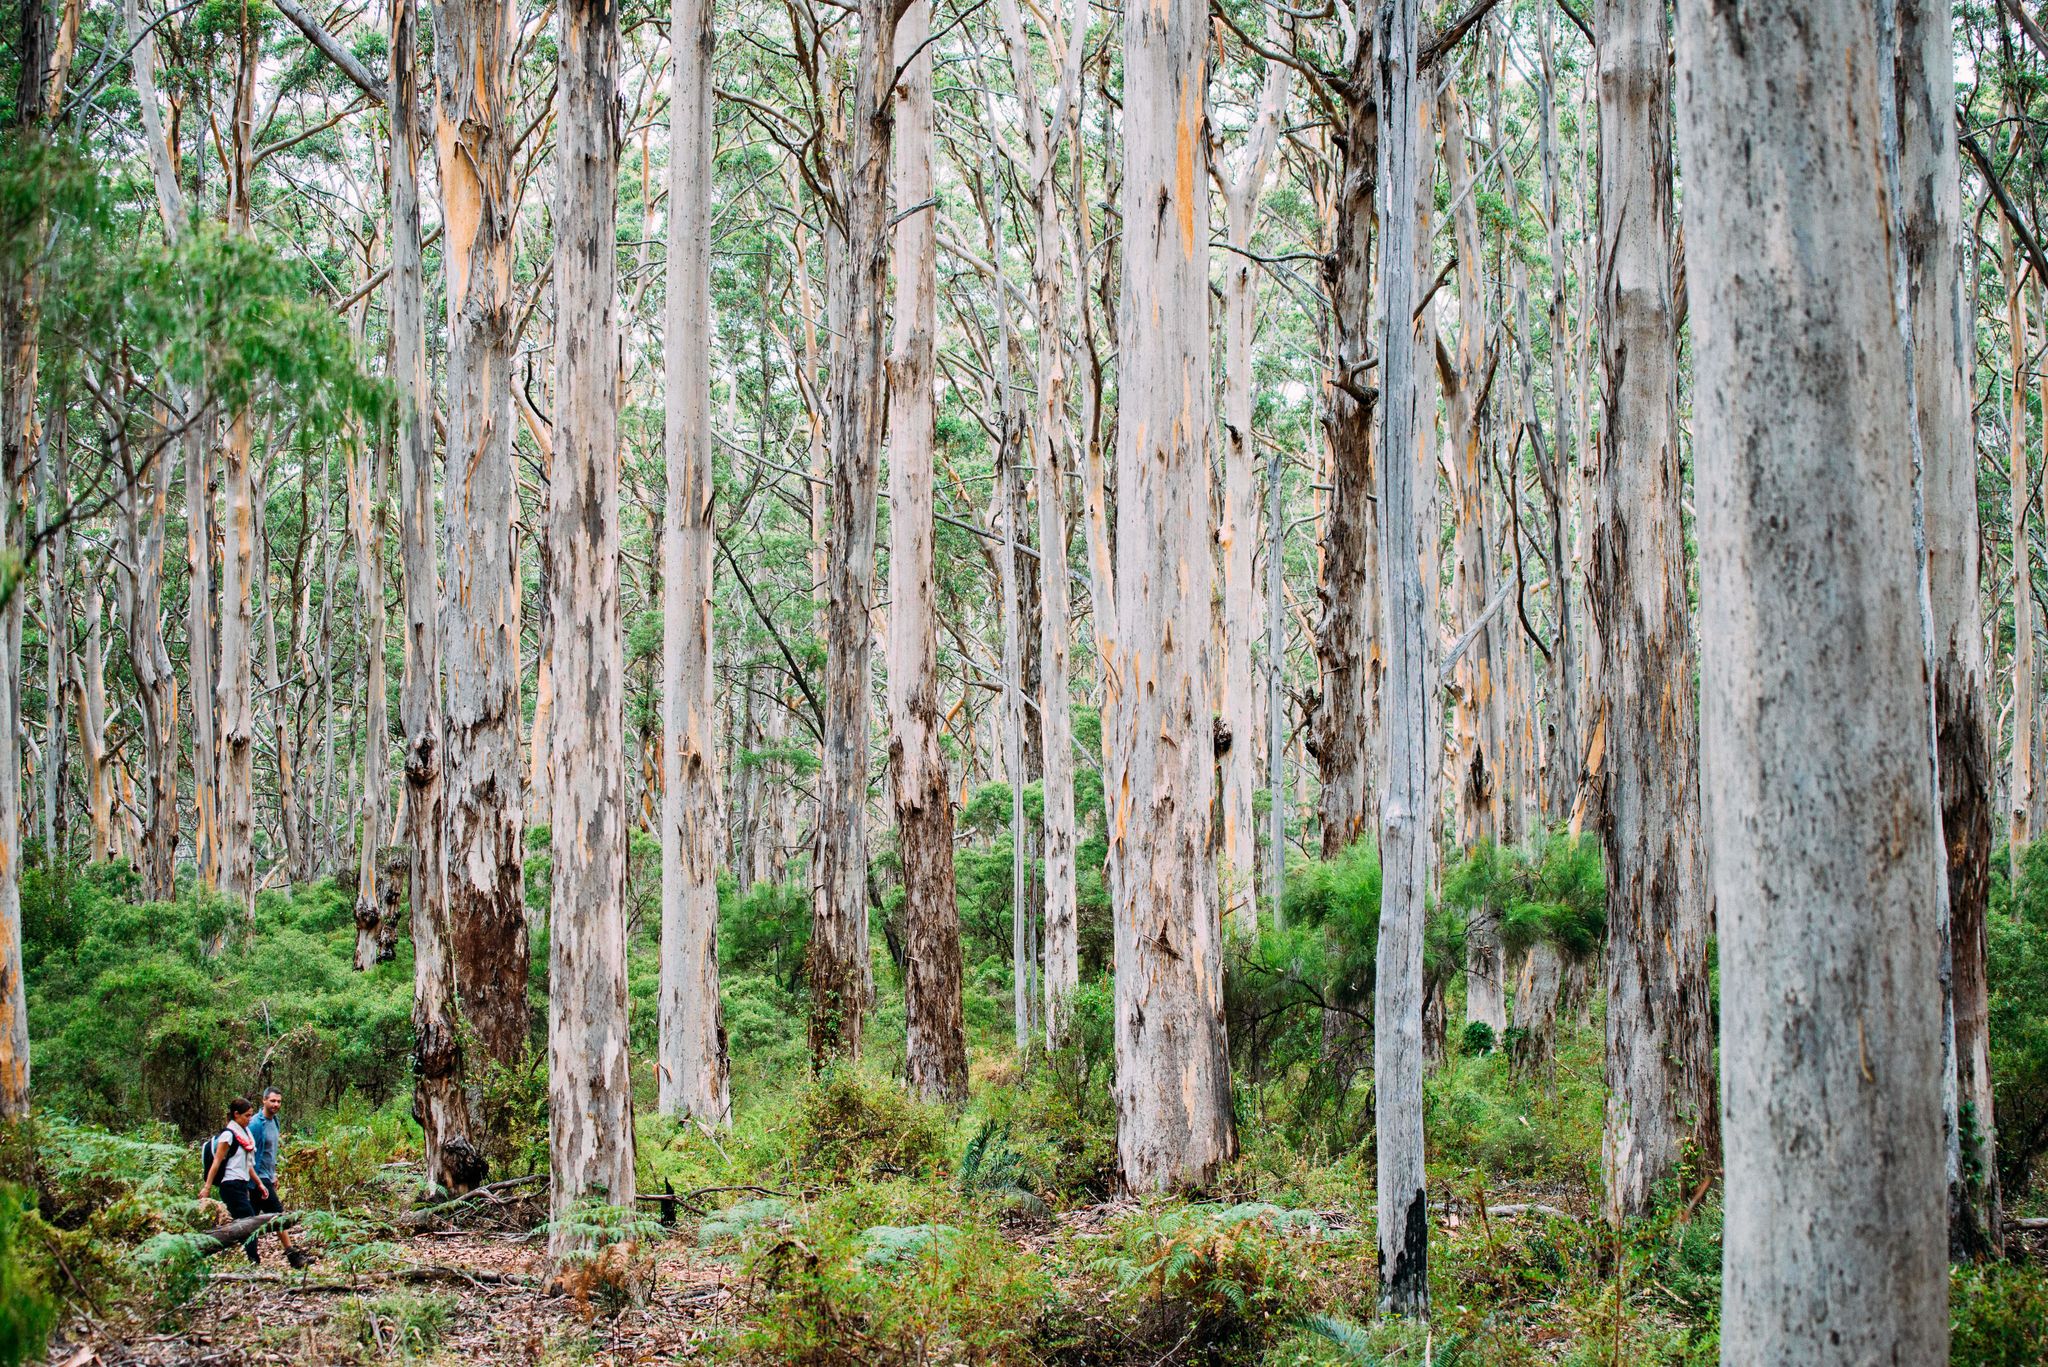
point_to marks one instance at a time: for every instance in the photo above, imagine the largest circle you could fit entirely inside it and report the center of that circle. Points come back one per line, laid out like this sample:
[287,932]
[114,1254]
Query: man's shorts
[267,1205]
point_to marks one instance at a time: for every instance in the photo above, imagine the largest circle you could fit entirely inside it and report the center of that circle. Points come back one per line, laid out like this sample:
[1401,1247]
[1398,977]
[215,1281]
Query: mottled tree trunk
[365,495]
[1242,183]
[1943,349]
[1660,1029]
[480,614]
[139,576]
[2022,798]
[1344,725]
[1821,818]
[590,1085]
[838,955]
[1476,756]
[1174,1123]
[693,1066]
[452,1161]
[935,1050]
[1405,807]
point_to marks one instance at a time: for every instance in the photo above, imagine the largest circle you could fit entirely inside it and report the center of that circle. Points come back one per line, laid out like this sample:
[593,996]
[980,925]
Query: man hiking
[231,1164]
[268,1134]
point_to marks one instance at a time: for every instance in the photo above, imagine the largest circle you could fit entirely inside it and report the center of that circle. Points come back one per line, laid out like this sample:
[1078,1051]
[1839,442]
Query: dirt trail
[498,1313]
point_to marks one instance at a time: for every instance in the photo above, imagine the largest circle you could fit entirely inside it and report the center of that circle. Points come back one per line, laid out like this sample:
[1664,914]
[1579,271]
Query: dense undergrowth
[865,1227]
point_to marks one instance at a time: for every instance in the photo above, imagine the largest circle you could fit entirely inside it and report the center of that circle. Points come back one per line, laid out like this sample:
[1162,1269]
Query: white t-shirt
[241,1150]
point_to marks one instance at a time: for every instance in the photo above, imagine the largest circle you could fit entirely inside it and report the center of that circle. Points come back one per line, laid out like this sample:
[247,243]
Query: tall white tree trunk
[693,1071]
[1174,1125]
[480,606]
[935,1047]
[451,1158]
[590,1084]
[1821,819]
[1660,1030]
[840,974]
[365,495]
[1410,687]
[1243,183]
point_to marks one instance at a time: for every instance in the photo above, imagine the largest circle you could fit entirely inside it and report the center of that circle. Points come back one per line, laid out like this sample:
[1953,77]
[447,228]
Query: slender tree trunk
[693,1058]
[480,614]
[1345,720]
[281,726]
[139,576]
[1564,753]
[365,497]
[1174,1124]
[1404,826]
[935,1050]
[841,985]
[1944,347]
[590,1086]
[2021,480]
[1660,1029]
[1821,819]
[1477,747]
[439,1105]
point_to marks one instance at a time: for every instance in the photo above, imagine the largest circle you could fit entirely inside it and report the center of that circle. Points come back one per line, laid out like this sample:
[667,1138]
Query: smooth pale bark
[452,1161]
[693,1068]
[1174,1123]
[1660,1030]
[1821,819]
[480,607]
[19,310]
[365,505]
[2020,479]
[1477,745]
[1242,183]
[590,1084]
[1404,823]
[142,507]
[1345,722]
[235,688]
[935,1048]
[1051,459]
[840,975]
[1943,349]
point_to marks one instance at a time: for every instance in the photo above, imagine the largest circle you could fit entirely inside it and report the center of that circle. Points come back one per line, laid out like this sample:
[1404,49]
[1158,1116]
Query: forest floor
[481,1297]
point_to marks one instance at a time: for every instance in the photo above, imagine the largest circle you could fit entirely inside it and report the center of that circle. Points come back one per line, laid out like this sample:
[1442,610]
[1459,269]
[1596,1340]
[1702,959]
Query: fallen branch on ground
[430,1272]
[235,1233]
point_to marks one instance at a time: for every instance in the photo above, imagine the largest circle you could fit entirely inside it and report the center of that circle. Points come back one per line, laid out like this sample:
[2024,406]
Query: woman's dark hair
[239,1106]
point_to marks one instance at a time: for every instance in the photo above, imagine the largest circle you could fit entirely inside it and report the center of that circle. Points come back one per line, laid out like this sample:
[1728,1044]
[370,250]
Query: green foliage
[1551,889]
[404,1325]
[133,1018]
[2017,962]
[1220,1280]
[851,1125]
[28,1310]
[840,1291]
[1998,1316]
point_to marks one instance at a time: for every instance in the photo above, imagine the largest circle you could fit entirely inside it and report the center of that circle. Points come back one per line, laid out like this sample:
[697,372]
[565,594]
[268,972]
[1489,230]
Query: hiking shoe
[298,1258]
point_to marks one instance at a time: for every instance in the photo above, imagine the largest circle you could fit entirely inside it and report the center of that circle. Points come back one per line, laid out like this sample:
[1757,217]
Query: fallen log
[235,1233]
[1533,1208]
[429,1272]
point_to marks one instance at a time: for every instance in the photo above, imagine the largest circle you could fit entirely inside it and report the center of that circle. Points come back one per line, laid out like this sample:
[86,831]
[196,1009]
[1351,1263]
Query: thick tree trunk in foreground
[838,956]
[1405,825]
[1344,726]
[1660,1029]
[480,606]
[935,1050]
[590,1085]
[439,1106]
[1174,1124]
[1821,818]
[693,1058]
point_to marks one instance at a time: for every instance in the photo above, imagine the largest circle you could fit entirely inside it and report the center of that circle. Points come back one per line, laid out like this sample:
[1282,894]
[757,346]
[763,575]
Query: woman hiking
[232,1164]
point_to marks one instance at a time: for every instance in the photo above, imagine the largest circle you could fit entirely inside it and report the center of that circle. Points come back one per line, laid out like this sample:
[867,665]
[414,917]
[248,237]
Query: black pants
[240,1199]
